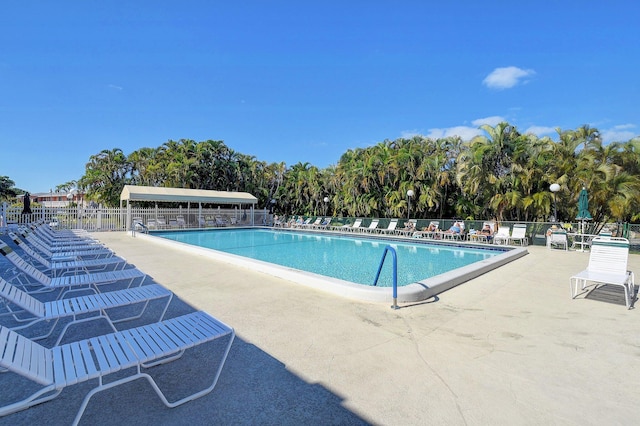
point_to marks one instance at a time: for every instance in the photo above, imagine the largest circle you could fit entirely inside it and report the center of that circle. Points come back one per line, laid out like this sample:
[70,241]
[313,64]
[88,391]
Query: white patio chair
[607,265]
[60,267]
[432,231]
[312,224]
[350,228]
[27,311]
[325,224]
[391,228]
[47,232]
[558,239]
[519,234]
[98,357]
[409,228]
[372,226]
[82,279]
[65,253]
[502,236]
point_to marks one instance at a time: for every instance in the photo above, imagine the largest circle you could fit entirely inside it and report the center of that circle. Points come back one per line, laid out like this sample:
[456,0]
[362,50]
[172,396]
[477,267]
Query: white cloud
[506,77]
[619,133]
[491,121]
[465,132]
[408,134]
[540,130]
[114,87]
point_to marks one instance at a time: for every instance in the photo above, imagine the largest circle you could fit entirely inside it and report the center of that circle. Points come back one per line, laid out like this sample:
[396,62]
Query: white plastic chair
[519,234]
[607,265]
[98,357]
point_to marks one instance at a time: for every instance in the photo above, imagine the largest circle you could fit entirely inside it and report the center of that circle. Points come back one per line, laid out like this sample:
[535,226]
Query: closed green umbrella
[583,207]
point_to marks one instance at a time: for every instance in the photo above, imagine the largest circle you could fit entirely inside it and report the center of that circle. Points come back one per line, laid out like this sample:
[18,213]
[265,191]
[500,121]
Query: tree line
[500,174]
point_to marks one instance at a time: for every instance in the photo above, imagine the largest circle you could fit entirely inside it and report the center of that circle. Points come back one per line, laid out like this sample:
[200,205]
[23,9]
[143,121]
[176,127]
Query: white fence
[121,219]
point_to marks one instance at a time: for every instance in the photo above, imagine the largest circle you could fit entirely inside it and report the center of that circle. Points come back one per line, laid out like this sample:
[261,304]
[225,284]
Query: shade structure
[182,195]
[583,206]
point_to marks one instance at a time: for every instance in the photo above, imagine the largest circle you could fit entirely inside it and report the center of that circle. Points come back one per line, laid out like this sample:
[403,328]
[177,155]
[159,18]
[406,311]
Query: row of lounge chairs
[47,276]
[504,235]
[179,222]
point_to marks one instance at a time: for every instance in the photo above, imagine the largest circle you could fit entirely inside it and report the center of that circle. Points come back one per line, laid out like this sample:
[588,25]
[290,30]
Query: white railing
[121,219]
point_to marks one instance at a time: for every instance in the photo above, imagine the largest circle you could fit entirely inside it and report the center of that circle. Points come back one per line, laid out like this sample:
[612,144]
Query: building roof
[182,195]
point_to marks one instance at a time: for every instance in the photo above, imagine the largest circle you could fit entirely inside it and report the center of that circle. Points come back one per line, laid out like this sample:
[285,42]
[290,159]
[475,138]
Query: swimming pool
[349,259]
[326,259]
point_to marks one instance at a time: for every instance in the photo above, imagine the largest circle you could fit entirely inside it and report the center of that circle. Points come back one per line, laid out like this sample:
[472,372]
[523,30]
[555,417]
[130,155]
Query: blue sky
[301,81]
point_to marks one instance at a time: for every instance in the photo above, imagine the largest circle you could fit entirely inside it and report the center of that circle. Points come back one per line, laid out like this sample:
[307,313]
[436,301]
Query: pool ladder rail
[138,225]
[395,274]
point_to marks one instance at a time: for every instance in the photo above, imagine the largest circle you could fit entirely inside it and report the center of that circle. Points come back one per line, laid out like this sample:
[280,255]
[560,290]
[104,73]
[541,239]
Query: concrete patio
[508,348]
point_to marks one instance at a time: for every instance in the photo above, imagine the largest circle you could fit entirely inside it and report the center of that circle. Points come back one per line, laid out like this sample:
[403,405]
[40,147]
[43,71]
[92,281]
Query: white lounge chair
[426,233]
[98,357]
[97,304]
[67,281]
[391,228]
[67,235]
[62,232]
[325,223]
[161,222]
[451,234]
[502,236]
[62,244]
[59,267]
[82,243]
[372,226]
[409,228]
[61,254]
[349,228]
[519,234]
[607,265]
[308,224]
[558,239]
[304,223]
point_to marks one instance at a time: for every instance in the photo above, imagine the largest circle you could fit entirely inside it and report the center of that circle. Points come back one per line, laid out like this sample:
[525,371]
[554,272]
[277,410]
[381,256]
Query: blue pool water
[347,258]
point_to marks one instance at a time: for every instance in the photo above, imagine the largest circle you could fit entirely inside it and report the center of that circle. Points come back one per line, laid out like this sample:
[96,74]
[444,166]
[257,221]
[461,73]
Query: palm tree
[105,175]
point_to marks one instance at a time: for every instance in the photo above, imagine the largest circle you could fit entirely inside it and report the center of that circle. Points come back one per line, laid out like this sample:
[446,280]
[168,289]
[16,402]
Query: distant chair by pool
[519,234]
[502,236]
[391,228]
[312,225]
[372,226]
[348,227]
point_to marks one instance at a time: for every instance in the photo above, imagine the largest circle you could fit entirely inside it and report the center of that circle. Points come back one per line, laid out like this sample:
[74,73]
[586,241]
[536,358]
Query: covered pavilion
[132,193]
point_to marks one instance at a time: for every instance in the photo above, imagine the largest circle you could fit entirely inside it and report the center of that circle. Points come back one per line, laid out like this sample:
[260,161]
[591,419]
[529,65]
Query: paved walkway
[508,348]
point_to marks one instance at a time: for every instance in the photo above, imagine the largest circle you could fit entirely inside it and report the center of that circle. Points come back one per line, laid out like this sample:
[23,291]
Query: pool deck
[507,348]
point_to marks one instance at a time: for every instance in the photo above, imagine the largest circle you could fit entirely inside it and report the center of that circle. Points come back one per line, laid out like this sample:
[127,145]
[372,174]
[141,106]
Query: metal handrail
[395,274]
[134,228]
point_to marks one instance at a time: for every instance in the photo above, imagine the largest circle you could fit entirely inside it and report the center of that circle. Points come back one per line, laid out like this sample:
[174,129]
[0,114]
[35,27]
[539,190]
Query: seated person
[554,228]
[486,231]
[409,227]
[431,228]
[299,221]
[455,229]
